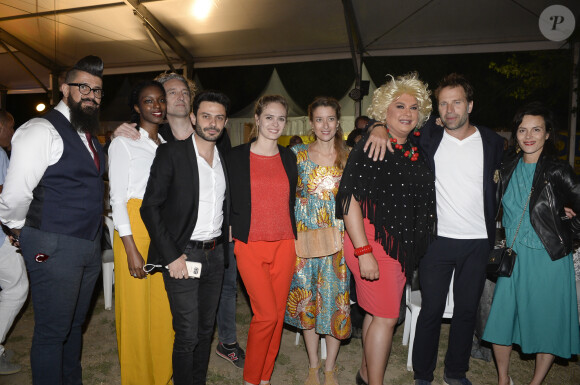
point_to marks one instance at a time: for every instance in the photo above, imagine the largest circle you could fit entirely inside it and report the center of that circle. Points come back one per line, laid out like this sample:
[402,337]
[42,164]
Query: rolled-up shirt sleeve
[36,145]
[119,163]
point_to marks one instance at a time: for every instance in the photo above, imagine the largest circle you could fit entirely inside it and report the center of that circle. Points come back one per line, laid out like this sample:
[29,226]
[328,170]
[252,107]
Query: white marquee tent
[39,38]
[297,118]
[45,36]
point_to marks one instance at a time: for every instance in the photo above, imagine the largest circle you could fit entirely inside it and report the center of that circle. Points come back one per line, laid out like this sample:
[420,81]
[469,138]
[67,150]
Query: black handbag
[501,261]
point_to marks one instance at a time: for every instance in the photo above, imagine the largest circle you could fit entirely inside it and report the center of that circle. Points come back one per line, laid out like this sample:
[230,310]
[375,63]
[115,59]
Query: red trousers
[266,269]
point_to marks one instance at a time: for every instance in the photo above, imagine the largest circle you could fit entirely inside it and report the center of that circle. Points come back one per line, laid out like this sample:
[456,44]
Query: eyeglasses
[85,89]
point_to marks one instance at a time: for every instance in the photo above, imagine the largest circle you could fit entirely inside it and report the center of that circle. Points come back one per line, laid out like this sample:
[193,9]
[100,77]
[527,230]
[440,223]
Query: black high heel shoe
[359,379]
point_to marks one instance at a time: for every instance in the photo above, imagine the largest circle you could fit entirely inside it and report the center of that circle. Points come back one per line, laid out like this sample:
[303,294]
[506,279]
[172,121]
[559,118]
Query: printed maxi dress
[319,293]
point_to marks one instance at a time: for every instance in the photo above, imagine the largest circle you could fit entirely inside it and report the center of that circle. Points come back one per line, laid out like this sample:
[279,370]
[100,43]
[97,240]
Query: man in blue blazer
[464,158]
[185,210]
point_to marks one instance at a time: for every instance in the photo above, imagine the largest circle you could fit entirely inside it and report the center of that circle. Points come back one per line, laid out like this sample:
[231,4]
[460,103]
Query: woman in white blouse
[143,317]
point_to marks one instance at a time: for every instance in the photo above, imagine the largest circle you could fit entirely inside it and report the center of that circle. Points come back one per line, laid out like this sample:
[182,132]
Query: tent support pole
[574,102]
[3,96]
[356,47]
[54,89]
[21,63]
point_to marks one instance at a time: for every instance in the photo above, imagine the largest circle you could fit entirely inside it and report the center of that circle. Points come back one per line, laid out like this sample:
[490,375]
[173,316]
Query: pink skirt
[381,298]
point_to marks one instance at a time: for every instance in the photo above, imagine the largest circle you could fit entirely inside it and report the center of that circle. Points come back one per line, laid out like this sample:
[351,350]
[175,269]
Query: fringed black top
[397,196]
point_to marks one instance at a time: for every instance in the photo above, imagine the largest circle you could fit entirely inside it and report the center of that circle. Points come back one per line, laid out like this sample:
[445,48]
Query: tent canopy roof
[124,33]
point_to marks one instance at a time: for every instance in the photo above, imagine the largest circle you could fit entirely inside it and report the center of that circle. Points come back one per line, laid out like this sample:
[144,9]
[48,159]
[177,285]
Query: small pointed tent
[274,87]
[296,115]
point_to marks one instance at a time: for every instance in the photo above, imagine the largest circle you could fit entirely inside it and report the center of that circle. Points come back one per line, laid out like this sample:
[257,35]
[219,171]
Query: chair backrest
[111,227]
[448,312]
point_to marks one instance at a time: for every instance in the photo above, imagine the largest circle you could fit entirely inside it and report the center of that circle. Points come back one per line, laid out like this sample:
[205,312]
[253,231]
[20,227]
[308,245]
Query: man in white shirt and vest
[185,209]
[52,201]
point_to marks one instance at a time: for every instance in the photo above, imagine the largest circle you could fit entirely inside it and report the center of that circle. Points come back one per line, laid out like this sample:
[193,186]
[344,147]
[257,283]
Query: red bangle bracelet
[362,250]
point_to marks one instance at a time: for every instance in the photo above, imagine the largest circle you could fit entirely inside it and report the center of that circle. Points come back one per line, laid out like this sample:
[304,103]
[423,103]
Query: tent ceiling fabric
[260,31]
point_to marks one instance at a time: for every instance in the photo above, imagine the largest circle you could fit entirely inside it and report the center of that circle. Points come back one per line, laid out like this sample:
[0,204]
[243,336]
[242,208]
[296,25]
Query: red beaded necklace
[412,153]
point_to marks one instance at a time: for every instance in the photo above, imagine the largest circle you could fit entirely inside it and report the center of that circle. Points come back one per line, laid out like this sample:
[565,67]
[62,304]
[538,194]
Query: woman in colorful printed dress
[143,318]
[319,302]
[389,214]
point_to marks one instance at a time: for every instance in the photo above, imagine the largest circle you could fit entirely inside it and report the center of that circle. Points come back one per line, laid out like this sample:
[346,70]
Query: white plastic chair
[322,340]
[322,345]
[107,259]
[413,309]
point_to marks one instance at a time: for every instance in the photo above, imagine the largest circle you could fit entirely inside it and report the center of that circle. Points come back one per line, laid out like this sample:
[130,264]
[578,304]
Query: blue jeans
[194,303]
[61,289]
[226,314]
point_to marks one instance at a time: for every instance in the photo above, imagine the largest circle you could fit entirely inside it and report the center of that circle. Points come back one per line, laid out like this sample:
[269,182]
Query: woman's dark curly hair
[136,92]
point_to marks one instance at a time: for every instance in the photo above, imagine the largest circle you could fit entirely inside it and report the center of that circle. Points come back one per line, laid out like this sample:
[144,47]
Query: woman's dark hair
[136,92]
[351,139]
[536,109]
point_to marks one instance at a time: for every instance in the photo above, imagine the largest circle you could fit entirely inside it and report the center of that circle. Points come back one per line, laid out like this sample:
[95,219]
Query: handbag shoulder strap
[523,212]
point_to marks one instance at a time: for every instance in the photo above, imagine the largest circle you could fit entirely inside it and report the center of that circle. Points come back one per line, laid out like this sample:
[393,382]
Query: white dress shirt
[4,162]
[212,192]
[35,146]
[129,165]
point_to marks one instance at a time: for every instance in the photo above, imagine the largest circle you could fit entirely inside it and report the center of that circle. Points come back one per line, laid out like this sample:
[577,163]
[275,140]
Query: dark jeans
[193,305]
[61,290]
[468,257]
[226,314]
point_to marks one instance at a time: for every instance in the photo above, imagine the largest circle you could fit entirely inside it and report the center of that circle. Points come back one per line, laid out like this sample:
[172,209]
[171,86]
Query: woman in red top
[263,176]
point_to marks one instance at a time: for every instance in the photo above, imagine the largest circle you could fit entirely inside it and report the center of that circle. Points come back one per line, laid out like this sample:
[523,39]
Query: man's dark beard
[199,131]
[83,119]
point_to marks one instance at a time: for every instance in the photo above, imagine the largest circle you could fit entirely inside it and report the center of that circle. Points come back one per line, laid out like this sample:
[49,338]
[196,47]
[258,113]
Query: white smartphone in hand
[193,269]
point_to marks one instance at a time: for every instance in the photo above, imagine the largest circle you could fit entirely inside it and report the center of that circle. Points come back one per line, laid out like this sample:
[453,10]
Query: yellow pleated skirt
[143,317]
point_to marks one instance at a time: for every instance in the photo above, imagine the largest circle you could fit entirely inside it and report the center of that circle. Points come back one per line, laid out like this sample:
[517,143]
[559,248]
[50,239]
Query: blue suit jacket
[431,136]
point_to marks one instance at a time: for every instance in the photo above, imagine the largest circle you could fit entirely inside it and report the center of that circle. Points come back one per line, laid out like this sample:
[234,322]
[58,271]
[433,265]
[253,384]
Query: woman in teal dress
[319,302]
[536,308]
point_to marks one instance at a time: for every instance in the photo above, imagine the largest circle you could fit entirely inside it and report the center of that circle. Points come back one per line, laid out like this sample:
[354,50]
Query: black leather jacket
[555,185]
